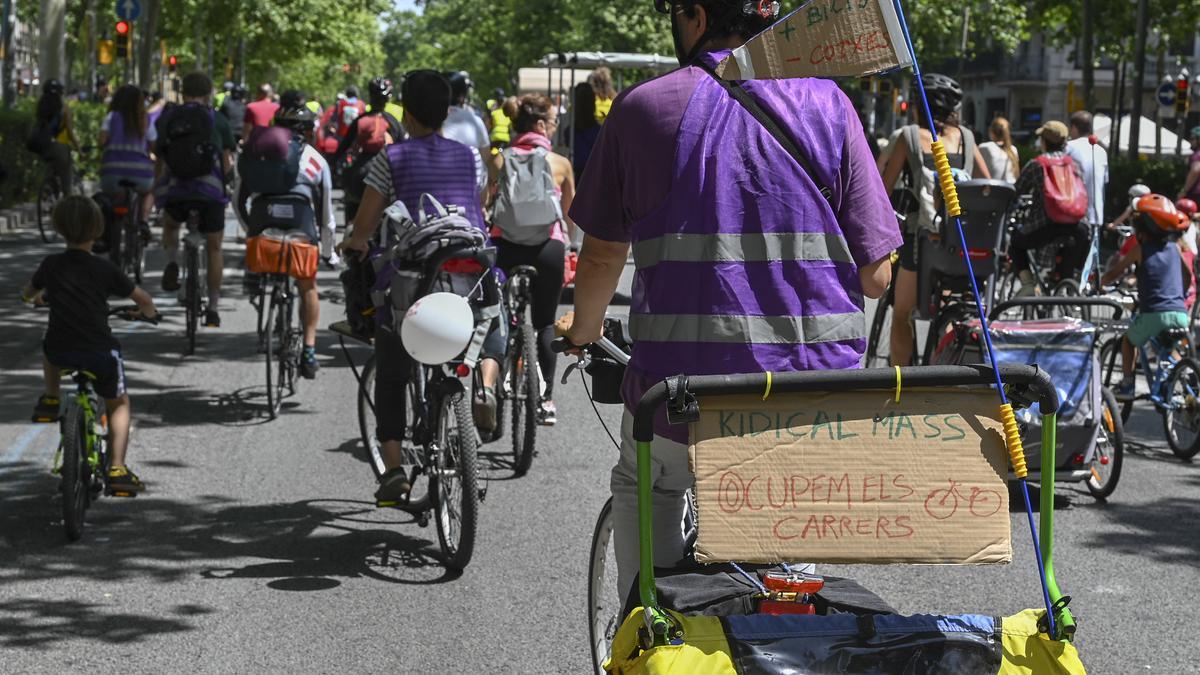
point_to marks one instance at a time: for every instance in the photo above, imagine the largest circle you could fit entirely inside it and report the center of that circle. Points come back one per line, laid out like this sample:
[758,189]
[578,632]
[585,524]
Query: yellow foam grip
[949,192]
[1012,436]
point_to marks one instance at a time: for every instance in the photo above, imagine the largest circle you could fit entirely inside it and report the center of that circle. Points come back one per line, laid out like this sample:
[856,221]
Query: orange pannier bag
[282,252]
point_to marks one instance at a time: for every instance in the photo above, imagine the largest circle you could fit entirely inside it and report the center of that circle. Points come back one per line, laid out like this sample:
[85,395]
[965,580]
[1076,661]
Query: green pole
[1065,622]
[656,619]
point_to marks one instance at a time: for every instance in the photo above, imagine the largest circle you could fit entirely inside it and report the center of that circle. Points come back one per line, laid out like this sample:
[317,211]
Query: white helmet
[437,328]
[1138,190]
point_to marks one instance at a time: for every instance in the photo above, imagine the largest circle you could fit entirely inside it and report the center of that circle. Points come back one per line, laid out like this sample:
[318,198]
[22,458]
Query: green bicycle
[83,448]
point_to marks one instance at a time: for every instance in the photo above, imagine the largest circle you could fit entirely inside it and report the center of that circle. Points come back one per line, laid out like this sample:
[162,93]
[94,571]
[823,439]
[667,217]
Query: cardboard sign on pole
[852,477]
[824,38]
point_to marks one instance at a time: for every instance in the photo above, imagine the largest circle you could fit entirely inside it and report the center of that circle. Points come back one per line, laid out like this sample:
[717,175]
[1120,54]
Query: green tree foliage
[494,40]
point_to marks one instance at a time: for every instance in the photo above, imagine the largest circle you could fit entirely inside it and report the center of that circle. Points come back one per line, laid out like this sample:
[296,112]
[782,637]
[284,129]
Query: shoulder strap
[915,159]
[764,118]
[968,141]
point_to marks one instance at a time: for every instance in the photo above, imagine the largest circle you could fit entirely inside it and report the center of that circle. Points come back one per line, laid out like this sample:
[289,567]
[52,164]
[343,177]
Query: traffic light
[172,64]
[122,31]
[1181,95]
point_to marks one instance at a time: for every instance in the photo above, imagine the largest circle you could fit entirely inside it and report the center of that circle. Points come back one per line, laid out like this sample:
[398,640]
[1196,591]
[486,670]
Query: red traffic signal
[122,28]
[172,62]
[1181,96]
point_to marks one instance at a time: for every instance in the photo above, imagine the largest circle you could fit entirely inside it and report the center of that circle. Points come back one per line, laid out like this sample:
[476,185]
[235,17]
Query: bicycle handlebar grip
[946,179]
[561,345]
[1012,437]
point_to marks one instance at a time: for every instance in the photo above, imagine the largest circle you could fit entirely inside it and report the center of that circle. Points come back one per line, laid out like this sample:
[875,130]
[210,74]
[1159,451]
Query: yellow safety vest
[501,126]
[603,106]
[314,106]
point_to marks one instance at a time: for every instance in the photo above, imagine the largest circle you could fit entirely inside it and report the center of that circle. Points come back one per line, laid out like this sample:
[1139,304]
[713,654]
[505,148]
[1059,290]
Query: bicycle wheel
[191,295]
[879,340]
[1110,372]
[273,344]
[76,471]
[1069,288]
[604,602]
[523,381]
[940,341]
[45,204]
[454,481]
[1181,414]
[366,418]
[289,356]
[1110,449]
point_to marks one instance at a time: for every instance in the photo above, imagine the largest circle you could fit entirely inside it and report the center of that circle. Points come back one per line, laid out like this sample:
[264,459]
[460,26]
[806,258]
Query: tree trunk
[92,57]
[1089,56]
[1139,78]
[52,54]
[148,66]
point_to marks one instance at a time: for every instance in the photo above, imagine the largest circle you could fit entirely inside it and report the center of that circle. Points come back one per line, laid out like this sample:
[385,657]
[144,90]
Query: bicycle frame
[1093,259]
[659,623]
[1157,377]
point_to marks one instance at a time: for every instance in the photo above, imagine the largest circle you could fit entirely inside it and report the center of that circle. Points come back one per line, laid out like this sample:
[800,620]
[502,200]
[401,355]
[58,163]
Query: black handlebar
[845,380]
[1066,301]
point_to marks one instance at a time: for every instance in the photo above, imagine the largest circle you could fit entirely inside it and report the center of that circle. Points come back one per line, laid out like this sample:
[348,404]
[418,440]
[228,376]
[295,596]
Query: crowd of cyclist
[674,165]
[1064,190]
[196,157]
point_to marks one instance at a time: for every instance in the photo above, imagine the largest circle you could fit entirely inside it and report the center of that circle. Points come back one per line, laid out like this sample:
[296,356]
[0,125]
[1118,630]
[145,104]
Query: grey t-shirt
[464,126]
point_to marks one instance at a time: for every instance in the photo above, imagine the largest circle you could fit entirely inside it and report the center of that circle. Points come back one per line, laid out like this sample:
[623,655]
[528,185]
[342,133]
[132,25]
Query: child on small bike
[1160,279]
[77,285]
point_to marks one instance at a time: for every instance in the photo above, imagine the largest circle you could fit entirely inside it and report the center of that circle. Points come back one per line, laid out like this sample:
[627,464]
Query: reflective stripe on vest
[748,247]
[747,329]
[139,148]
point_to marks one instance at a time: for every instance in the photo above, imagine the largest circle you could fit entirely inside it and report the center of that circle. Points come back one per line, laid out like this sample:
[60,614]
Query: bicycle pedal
[386,504]
[45,420]
[121,493]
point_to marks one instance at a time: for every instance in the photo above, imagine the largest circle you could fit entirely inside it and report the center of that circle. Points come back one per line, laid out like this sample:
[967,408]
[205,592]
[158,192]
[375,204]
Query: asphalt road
[257,549]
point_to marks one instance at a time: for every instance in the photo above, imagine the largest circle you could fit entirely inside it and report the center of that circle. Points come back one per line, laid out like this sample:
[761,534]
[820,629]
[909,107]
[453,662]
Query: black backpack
[188,138]
[40,137]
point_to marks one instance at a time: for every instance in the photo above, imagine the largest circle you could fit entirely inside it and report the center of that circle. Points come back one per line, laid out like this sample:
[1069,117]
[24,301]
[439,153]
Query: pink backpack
[1063,192]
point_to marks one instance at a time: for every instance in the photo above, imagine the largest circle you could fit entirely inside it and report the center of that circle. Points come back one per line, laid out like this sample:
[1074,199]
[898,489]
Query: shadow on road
[38,624]
[161,541]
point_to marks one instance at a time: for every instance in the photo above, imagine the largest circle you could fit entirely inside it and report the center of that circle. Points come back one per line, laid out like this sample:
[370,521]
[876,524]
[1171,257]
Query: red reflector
[1104,460]
[462,266]
[1078,458]
[121,210]
[462,370]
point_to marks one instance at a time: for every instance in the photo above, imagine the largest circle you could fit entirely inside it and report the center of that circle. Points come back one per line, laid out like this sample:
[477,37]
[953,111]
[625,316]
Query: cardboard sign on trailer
[823,38]
[852,477]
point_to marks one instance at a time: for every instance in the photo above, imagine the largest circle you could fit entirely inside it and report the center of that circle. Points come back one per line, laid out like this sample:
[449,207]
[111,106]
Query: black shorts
[288,213]
[907,251]
[108,367]
[212,214]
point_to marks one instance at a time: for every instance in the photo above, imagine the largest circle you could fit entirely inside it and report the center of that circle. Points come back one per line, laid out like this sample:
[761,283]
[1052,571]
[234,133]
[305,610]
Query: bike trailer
[1066,348]
[763,450]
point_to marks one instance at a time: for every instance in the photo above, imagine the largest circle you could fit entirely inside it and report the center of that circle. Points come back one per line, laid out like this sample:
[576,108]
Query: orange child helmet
[1163,213]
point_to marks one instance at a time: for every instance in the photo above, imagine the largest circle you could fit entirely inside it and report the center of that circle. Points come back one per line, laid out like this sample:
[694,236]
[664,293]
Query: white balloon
[437,328]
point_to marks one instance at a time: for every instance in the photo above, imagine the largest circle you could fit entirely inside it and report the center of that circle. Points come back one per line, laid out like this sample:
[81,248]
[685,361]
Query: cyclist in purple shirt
[744,261]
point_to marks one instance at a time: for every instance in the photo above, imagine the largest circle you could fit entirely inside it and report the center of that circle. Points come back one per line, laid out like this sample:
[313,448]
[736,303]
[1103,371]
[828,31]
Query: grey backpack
[400,270]
[527,205]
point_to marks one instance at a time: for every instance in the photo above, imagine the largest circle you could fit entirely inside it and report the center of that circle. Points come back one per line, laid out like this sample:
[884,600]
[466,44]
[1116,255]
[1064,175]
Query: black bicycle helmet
[460,84]
[380,87]
[53,87]
[944,93]
[297,118]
